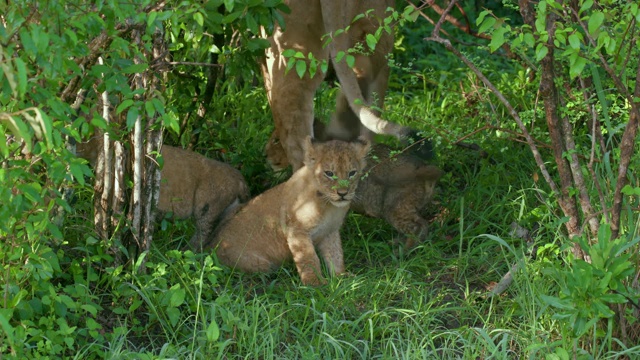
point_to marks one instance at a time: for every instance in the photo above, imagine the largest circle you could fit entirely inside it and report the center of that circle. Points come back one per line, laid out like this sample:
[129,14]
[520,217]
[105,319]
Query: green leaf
[313,67]
[351,61]
[339,56]
[541,51]
[252,24]
[132,116]
[76,171]
[595,21]
[22,76]
[301,68]
[5,316]
[290,64]
[91,309]
[135,68]
[228,5]
[257,44]
[124,105]
[577,66]
[199,18]
[177,297]
[288,53]
[586,5]
[213,332]
[357,17]
[231,17]
[371,41]
[497,38]
[487,24]
[170,121]
[481,16]
[324,66]
[174,315]
[529,40]
[413,16]
[574,41]
[556,302]
[629,190]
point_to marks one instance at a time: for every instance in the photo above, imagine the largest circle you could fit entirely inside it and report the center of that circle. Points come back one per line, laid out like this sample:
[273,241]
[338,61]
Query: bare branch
[534,149]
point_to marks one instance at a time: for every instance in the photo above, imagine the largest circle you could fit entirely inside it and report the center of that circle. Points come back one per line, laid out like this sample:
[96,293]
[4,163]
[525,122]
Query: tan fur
[396,188]
[191,185]
[294,218]
[291,97]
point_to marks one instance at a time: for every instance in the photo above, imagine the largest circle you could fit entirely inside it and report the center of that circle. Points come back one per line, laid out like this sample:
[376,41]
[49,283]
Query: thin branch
[190,63]
[534,149]
[592,157]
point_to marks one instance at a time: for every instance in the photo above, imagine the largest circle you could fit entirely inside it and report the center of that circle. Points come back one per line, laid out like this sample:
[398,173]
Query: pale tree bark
[114,160]
[146,173]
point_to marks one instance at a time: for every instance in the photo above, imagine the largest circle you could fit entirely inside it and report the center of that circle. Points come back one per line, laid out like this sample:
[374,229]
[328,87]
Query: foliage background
[64,295]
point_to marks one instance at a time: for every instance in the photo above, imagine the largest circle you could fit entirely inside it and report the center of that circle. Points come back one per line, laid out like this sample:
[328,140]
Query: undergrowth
[433,302]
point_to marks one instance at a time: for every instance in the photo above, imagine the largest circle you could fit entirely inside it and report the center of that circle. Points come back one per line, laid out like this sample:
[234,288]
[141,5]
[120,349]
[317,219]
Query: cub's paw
[312,279]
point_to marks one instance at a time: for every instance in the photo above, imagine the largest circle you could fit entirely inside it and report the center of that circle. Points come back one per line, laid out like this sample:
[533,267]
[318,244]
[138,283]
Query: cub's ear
[309,151]
[362,145]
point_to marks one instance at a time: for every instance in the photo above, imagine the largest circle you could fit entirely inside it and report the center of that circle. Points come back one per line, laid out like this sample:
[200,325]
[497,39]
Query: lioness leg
[290,97]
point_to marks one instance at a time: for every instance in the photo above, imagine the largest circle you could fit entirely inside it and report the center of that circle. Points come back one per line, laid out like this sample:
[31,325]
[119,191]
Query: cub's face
[337,167]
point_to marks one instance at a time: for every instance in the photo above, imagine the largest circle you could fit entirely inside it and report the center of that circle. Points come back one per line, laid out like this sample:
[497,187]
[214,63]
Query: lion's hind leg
[409,223]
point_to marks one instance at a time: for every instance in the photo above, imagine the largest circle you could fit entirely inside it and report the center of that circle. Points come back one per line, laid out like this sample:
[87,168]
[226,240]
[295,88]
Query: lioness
[292,219]
[395,188]
[191,185]
[291,97]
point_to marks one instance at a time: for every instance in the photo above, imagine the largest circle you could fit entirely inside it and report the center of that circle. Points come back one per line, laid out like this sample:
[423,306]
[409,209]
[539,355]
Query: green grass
[429,303]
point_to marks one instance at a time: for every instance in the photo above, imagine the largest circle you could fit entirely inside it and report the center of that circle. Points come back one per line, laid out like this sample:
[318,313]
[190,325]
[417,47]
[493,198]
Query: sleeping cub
[396,189]
[191,185]
[293,219]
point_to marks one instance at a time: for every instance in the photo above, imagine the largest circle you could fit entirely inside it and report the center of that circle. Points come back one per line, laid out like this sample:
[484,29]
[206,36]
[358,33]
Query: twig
[524,234]
[190,63]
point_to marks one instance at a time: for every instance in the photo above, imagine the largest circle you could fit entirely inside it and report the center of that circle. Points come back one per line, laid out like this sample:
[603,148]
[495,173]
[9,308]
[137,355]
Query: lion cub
[191,185]
[396,189]
[294,218]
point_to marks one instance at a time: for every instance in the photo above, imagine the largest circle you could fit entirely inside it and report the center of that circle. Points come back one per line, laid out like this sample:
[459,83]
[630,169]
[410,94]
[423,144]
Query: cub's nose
[342,193]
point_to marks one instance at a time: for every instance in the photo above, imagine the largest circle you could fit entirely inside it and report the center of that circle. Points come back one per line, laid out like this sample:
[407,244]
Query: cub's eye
[329,174]
[352,173]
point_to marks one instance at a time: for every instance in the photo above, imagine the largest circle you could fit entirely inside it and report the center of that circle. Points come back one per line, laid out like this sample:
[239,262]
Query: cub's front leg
[331,251]
[305,257]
